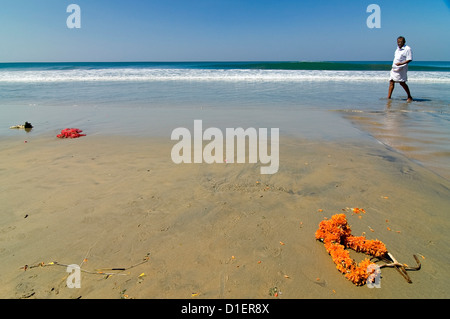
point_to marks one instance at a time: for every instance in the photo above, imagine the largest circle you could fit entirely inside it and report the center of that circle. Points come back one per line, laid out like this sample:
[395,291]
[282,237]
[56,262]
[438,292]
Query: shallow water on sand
[308,105]
[418,129]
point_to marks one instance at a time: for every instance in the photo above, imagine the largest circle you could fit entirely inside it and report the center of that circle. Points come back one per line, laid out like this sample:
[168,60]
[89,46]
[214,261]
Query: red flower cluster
[336,235]
[70,133]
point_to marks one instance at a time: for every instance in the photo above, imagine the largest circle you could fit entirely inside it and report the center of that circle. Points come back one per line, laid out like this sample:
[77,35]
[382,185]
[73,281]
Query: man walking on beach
[403,55]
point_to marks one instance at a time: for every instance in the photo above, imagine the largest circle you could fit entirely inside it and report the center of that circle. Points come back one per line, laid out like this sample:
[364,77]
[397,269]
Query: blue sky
[221,30]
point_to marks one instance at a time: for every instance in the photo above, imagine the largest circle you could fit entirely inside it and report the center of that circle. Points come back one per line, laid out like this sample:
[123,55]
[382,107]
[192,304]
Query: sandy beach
[211,230]
[143,205]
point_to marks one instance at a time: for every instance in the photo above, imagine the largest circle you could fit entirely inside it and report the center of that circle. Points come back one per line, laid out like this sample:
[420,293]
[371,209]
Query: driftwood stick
[402,268]
[96,271]
[396,263]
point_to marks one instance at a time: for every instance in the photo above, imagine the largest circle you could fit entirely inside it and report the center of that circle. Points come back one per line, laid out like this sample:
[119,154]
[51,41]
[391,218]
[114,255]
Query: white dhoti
[399,73]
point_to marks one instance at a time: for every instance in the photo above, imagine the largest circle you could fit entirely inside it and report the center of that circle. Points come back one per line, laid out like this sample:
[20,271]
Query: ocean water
[315,100]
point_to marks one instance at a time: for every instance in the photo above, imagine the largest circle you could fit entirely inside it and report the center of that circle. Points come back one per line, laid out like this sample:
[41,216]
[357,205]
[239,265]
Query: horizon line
[217,61]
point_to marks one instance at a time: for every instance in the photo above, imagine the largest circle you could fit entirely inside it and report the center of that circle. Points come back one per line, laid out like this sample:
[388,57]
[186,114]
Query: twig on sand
[100,271]
[401,268]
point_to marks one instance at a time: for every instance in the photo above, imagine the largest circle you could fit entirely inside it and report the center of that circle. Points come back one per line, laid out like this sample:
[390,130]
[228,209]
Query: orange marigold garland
[336,235]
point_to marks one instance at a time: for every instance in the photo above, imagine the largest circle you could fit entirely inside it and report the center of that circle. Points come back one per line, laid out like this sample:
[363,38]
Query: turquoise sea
[314,100]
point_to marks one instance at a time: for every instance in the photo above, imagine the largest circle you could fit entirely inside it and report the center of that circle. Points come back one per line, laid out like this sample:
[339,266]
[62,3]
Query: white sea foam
[229,75]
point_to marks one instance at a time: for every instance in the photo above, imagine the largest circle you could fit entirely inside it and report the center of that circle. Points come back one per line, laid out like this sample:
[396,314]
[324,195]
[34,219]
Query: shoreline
[212,230]
[329,125]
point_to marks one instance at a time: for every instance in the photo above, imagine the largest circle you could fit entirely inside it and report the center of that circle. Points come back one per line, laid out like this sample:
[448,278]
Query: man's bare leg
[406,88]
[391,88]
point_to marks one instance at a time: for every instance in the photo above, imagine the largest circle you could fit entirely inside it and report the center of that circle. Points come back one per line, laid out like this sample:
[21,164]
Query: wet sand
[212,230]
[418,130]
